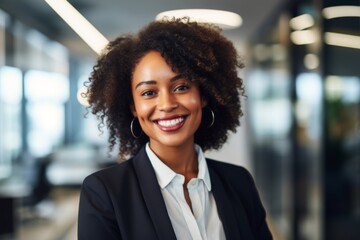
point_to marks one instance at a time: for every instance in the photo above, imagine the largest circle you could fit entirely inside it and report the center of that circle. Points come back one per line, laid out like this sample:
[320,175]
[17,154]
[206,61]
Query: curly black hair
[198,51]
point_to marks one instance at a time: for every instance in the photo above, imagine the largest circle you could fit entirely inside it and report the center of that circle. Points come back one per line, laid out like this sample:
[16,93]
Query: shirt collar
[165,175]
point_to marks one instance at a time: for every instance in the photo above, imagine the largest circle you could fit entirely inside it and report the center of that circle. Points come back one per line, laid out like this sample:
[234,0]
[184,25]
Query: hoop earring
[213,118]
[132,130]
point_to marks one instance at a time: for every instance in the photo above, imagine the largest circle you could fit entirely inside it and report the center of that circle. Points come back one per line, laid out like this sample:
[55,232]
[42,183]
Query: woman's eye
[181,88]
[148,93]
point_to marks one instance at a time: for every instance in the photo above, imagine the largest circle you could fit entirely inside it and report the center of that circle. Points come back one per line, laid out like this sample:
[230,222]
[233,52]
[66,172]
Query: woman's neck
[181,159]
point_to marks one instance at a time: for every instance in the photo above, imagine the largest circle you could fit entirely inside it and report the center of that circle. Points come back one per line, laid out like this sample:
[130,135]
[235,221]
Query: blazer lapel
[235,224]
[152,195]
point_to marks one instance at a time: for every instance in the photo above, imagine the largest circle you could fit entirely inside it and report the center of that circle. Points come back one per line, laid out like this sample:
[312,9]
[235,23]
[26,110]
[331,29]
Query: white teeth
[170,123]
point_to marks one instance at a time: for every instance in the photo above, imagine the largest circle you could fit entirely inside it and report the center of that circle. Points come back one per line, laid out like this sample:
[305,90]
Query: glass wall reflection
[308,172]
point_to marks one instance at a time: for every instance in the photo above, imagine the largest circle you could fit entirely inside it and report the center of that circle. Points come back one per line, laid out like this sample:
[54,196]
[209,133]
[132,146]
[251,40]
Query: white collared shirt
[203,222]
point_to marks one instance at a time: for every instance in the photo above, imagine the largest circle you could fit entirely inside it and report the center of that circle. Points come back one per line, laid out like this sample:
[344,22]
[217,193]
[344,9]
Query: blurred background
[300,136]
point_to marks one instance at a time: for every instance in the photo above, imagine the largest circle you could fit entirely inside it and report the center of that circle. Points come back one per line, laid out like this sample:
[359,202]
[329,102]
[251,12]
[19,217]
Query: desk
[10,194]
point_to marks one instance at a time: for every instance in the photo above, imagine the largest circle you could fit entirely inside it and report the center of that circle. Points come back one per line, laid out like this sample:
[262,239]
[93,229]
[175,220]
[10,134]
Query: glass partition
[342,157]
[10,120]
[46,94]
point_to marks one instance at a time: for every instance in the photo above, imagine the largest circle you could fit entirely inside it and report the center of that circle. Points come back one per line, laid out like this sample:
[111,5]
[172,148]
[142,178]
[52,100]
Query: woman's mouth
[171,124]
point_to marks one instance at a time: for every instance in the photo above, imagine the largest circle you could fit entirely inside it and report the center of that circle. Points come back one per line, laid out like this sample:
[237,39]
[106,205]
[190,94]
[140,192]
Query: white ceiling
[115,17]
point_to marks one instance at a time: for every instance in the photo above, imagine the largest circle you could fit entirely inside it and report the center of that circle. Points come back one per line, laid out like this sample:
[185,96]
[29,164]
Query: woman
[167,94]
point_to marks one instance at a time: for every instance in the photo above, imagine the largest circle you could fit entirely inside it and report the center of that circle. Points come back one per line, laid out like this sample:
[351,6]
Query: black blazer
[125,202]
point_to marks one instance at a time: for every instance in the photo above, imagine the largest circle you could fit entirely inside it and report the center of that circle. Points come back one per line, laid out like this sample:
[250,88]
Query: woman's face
[167,105]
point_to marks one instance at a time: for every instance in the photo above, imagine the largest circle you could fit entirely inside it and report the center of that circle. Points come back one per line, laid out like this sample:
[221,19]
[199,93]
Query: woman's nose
[166,102]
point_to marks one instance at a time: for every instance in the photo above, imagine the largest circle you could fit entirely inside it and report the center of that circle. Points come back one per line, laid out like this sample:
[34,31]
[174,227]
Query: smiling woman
[168,107]
[161,93]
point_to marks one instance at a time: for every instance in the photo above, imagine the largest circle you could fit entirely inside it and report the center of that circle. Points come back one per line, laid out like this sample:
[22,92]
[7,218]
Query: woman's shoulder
[111,173]
[238,177]
[231,173]
[227,167]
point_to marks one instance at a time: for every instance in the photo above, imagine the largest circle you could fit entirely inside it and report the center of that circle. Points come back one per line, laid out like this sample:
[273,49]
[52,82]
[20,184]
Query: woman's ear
[203,102]
[133,110]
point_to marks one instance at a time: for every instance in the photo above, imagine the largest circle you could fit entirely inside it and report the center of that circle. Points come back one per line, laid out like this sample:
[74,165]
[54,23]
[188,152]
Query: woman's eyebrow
[177,77]
[149,82]
[153,82]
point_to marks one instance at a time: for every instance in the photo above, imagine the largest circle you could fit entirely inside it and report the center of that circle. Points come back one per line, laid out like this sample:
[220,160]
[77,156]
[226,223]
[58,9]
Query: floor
[52,219]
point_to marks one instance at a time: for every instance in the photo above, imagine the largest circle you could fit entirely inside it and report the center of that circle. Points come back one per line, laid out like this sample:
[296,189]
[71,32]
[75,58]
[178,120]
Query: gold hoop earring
[132,130]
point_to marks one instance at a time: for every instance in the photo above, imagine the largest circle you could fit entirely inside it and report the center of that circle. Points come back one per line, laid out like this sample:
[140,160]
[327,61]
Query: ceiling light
[341,11]
[304,37]
[342,40]
[223,19]
[311,61]
[302,22]
[79,24]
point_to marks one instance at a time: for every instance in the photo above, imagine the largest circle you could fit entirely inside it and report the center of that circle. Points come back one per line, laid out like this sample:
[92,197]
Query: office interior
[300,136]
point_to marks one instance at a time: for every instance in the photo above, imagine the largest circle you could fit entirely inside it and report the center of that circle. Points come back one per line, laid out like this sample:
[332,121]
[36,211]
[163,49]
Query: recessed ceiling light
[304,37]
[342,40]
[223,19]
[302,22]
[311,61]
[341,11]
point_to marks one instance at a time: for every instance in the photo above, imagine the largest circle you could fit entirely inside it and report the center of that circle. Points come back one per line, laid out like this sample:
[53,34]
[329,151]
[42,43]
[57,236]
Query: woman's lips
[172,124]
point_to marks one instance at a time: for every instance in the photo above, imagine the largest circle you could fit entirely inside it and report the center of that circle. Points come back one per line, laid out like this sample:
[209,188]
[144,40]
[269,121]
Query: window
[46,94]
[10,122]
